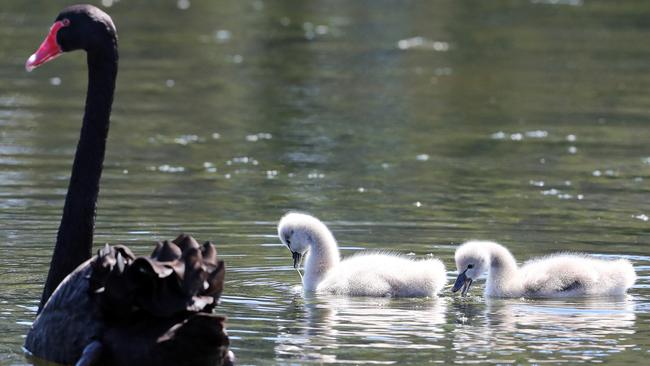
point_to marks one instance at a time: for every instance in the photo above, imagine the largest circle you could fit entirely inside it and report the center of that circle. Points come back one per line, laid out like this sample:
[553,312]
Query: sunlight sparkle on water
[642,217]
[187,139]
[109,3]
[518,136]
[422,43]
[183,4]
[222,35]
[259,136]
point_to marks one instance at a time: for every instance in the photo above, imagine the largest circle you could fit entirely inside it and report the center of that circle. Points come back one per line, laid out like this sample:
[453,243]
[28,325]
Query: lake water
[409,126]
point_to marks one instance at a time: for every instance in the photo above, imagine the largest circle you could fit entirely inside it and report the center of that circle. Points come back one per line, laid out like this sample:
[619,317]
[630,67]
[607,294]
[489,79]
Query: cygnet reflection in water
[576,330]
[363,274]
[322,326]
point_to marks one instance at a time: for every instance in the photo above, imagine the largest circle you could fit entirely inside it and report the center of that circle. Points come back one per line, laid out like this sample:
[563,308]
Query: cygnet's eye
[470,266]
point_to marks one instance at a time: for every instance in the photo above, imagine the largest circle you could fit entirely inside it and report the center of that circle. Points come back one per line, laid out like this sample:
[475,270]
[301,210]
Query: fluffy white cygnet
[364,274]
[557,275]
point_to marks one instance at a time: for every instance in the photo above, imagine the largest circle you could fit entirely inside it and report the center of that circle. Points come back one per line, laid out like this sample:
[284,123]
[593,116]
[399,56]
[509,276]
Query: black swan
[116,308]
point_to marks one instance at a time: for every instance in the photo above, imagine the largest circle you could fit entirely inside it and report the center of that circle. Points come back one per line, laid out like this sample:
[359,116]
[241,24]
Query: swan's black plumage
[93,31]
[116,308]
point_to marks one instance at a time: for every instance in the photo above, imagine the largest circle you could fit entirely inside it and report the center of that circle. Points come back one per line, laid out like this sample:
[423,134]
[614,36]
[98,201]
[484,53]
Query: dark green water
[524,122]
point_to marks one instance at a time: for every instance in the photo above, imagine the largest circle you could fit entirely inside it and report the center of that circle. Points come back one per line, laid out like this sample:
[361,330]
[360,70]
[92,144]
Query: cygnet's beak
[463,282]
[297,257]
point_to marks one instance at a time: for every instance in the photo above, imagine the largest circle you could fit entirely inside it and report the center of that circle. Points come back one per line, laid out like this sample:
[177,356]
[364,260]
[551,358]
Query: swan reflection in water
[364,326]
[577,330]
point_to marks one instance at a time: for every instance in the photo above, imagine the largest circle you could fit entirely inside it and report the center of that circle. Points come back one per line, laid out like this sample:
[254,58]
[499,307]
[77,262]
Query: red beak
[48,50]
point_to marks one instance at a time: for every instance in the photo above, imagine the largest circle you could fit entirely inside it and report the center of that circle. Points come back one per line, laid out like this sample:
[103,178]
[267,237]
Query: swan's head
[472,260]
[77,27]
[299,232]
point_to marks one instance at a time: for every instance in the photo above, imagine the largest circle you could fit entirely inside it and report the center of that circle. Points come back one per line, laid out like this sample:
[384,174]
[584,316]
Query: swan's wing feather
[91,355]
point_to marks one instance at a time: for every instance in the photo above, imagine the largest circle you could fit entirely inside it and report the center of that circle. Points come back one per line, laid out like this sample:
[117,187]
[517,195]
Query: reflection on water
[338,329]
[544,330]
[406,126]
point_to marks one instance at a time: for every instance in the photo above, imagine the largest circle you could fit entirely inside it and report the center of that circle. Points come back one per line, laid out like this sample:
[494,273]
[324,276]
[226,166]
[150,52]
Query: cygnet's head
[471,261]
[299,232]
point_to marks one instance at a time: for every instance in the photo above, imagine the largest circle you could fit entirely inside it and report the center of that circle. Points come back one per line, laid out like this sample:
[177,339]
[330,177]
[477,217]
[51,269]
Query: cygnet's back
[576,275]
[378,274]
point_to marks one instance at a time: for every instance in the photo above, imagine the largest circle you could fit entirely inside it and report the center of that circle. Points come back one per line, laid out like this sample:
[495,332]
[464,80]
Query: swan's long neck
[503,274]
[75,237]
[323,254]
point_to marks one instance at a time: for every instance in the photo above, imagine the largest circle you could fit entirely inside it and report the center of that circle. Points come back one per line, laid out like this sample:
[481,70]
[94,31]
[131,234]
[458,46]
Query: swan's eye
[286,239]
[470,266]
[66,22]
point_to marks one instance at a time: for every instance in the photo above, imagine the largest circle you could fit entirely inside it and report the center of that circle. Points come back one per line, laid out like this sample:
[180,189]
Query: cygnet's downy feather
[362,274]
[556,275]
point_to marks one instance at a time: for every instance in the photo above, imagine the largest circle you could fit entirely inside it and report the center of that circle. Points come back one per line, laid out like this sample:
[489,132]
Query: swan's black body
[75,238]
[116,308]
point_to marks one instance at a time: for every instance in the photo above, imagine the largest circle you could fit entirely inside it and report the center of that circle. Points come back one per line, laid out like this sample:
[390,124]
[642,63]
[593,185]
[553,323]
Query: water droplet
[361,189]
[642,217]
[55,81]
[422,157]
[170,83]
[572,149]
[571,138]
[417,204]
[216,136]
